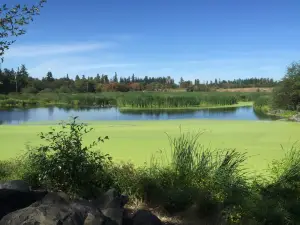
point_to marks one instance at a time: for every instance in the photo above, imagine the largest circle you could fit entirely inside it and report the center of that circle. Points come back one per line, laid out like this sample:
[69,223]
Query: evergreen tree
[115,79]
[49,76]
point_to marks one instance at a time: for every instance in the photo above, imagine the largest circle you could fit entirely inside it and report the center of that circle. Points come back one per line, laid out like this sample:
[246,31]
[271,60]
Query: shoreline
[279,113]
[62,105]
[240,104]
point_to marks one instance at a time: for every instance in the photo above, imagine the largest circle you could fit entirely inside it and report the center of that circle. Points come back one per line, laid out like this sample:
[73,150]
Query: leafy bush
[63,163]
[287,94]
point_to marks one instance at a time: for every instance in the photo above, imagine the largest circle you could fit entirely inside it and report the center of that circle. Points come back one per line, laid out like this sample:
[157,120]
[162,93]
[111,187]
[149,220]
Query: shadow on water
[262,116]
[18,116]
[176,112]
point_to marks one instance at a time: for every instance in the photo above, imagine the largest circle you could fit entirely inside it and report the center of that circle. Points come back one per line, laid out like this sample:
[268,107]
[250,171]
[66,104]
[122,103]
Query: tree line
[20,81]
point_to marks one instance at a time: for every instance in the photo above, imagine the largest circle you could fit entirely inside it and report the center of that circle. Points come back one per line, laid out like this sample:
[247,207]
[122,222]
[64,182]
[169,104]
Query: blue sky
[204,39]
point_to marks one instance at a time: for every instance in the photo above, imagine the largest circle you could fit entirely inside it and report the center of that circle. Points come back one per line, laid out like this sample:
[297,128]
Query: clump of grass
[214,181]
[279,202]
[217,176]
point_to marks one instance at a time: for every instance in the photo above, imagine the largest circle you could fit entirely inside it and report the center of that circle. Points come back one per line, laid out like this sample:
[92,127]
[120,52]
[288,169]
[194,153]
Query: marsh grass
[135,100]
[160,100]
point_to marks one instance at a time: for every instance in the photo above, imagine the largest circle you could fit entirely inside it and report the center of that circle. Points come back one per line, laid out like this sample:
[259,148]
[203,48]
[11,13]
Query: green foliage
[263,104]
[63,163]
[12,21]
[6,170]
[129,100]
[287,94]
[15,81]
[280,201]
[11,169]
[213,180]
[216,183]
[175,100]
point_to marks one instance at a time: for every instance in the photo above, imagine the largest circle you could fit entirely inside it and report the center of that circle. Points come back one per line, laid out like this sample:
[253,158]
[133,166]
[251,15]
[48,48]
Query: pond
[18,116]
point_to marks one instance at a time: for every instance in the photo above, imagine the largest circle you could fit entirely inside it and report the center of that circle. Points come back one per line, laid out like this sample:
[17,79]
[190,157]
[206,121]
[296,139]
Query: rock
[20,205]
[111,199]
[32,207]
[91,220]
[115,214]
[111,203]
[56,209]
[12,200]
[127,217]
[18,185]
[145,217]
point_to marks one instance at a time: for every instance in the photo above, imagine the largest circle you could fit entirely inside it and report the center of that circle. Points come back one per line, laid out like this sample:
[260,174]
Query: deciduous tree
[13,21]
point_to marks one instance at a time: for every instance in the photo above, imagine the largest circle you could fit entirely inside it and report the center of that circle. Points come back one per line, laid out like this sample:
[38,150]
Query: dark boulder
[20,205]
[145,217]
[111,199]
[16,195]
[111,204]
[55,209]
[31,208]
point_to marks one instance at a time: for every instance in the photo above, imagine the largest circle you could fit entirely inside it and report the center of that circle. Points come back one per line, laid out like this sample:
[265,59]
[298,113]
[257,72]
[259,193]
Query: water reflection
[17,116]
[262,116]
[50,111]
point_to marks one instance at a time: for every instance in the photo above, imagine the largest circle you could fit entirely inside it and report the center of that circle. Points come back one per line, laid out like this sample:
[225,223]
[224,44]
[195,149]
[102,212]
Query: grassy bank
[136,141]
[128,100]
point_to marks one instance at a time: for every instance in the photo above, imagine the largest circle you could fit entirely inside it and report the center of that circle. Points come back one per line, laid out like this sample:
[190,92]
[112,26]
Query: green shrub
[287,93]
[128,179]
[10,169]
[63,163]
[5,170]
[280,202]
[263,103]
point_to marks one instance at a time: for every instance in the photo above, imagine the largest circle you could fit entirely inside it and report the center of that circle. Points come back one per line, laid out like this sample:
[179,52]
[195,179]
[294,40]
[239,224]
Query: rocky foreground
[19,205]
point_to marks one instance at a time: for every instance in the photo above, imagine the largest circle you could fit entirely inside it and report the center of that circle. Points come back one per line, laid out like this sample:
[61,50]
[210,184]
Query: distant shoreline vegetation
[132,100]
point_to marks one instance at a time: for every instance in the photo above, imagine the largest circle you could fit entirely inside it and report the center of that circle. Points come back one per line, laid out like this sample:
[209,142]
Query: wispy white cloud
[75,65]
[33,50]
